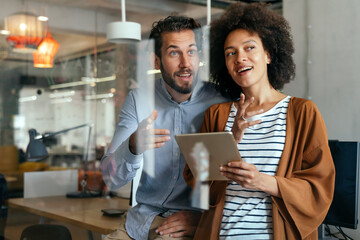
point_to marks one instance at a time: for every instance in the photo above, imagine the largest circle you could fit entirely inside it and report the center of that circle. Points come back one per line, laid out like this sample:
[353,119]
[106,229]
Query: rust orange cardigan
[305,175]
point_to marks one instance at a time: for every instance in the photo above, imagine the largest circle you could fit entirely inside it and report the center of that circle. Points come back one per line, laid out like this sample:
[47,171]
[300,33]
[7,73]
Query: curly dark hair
[274,32]
[172,23]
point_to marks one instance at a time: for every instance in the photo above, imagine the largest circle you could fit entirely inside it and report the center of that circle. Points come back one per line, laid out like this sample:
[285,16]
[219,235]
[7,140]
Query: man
[180,101]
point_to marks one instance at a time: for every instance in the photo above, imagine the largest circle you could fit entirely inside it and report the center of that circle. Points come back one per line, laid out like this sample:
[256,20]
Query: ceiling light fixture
[4,32]
[26,31]
[43,18]
[43,57]
[84,81]
[118,32]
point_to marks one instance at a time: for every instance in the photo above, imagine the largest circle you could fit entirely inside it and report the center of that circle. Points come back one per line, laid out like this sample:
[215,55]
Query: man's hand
[145,137]
[180,224]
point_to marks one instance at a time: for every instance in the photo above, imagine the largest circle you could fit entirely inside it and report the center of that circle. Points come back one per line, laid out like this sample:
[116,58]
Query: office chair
[46,232]
[3,207]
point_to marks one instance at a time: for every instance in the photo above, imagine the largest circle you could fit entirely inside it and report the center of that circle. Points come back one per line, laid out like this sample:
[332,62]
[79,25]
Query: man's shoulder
[144,87]
[209,91]
[209,87]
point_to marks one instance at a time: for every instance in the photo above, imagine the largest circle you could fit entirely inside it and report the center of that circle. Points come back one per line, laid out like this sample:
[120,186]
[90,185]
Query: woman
[283,187]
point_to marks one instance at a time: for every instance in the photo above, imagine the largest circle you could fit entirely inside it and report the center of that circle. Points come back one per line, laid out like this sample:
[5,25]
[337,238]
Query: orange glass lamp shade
[26,31]
[43,57]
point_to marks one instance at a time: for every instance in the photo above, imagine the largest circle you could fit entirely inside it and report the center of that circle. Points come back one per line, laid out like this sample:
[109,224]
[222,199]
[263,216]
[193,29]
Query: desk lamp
[36,151]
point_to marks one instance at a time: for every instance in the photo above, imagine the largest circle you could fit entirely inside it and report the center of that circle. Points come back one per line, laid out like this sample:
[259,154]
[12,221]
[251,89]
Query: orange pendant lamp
[26,31]
[43,57]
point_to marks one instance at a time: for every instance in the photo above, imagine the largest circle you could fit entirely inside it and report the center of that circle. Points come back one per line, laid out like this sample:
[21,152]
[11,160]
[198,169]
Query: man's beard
[172,83]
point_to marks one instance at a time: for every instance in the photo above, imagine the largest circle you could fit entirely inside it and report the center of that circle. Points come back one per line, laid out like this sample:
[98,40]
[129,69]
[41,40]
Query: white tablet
[220,146]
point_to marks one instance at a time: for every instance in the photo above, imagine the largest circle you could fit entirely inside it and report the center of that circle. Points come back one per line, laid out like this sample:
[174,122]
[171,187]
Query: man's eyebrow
[176,47]
[172,46]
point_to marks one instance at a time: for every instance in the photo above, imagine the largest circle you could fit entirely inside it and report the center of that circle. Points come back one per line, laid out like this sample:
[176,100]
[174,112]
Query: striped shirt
[248,213]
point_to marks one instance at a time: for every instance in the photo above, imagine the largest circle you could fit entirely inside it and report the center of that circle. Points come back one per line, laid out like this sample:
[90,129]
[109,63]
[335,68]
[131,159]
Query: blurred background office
[84,78]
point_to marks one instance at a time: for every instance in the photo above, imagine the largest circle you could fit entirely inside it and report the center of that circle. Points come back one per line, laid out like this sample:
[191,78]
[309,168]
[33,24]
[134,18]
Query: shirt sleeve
[119,165]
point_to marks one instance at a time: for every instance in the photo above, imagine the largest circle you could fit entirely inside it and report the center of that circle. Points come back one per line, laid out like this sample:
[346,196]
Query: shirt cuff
[123,152]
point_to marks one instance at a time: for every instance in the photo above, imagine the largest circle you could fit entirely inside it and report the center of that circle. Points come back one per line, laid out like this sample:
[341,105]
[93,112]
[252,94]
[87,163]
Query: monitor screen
[343,211]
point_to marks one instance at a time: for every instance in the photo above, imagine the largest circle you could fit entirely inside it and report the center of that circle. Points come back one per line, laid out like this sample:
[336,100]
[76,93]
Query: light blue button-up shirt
[164,190]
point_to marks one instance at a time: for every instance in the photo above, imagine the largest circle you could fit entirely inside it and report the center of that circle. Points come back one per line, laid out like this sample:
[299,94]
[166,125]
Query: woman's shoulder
[301,108]
[301,103]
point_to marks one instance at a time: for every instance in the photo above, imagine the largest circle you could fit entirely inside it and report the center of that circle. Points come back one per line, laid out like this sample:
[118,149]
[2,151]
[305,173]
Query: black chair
[46,232]
[3,208]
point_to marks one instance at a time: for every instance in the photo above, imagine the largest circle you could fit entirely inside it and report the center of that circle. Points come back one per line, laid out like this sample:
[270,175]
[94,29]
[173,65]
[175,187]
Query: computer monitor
[343,211]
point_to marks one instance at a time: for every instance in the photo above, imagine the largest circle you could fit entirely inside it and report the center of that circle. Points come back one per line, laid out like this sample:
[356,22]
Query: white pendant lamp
[118,32]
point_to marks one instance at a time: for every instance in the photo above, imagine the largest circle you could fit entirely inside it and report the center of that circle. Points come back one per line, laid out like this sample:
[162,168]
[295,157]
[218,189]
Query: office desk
[85,213]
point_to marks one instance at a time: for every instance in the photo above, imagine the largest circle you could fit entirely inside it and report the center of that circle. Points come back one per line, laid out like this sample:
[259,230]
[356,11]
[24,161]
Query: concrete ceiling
[79,25]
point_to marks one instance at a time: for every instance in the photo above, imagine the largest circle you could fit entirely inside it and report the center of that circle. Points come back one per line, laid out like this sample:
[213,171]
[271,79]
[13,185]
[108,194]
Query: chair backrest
[46,232]
[3,189]
[3,208]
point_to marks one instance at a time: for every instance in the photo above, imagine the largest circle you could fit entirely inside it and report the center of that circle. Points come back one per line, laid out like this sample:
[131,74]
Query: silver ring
[243,118]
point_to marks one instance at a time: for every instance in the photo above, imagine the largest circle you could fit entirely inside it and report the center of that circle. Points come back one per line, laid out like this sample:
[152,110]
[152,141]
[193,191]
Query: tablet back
[221,147]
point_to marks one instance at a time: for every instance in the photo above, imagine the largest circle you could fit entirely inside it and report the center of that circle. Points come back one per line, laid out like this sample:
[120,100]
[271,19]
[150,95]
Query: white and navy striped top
[248,213]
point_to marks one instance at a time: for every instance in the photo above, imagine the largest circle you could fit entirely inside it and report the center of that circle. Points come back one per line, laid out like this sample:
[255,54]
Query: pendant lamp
[26,31]
[118,32]
[43,57]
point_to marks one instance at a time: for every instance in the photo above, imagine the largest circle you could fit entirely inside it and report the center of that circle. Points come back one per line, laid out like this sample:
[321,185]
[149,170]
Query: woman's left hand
[248,176]
[240,121]
[244,174]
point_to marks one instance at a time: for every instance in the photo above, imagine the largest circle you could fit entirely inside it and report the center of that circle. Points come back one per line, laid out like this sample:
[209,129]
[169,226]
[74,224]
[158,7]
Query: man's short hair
[171,23]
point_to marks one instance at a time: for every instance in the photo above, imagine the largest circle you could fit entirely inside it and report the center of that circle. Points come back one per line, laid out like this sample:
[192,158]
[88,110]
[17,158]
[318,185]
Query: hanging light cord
[123,14]
[208,5]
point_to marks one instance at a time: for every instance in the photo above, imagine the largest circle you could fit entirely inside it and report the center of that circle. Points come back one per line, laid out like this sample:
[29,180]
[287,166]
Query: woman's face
[246,59]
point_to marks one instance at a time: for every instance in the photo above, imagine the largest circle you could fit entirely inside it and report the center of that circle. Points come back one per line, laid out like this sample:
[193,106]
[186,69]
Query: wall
[327,58]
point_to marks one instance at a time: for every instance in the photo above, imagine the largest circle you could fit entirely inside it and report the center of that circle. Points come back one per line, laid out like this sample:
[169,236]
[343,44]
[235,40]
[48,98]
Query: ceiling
[80,25]
[76,36]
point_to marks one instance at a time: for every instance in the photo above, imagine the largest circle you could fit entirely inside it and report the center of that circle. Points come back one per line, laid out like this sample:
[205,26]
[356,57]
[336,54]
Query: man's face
[179,62]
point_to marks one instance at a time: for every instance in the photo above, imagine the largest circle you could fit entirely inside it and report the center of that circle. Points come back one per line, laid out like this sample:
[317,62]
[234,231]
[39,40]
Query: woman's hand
[240,121]
[248,176]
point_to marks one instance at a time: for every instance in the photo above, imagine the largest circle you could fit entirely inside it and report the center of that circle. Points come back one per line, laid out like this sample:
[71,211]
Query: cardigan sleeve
[306,174]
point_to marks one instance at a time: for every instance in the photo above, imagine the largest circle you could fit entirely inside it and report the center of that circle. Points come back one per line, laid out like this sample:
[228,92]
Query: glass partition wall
[85,86]
[74,92]
[86,89]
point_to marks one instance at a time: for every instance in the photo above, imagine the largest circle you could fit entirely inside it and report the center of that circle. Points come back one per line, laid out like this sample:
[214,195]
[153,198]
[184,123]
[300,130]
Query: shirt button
[175,177]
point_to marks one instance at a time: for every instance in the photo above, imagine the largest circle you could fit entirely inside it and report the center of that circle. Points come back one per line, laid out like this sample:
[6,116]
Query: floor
[17,220]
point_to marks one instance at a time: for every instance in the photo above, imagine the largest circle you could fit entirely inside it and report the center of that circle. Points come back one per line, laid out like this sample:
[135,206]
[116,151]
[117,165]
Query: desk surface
[82,212]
